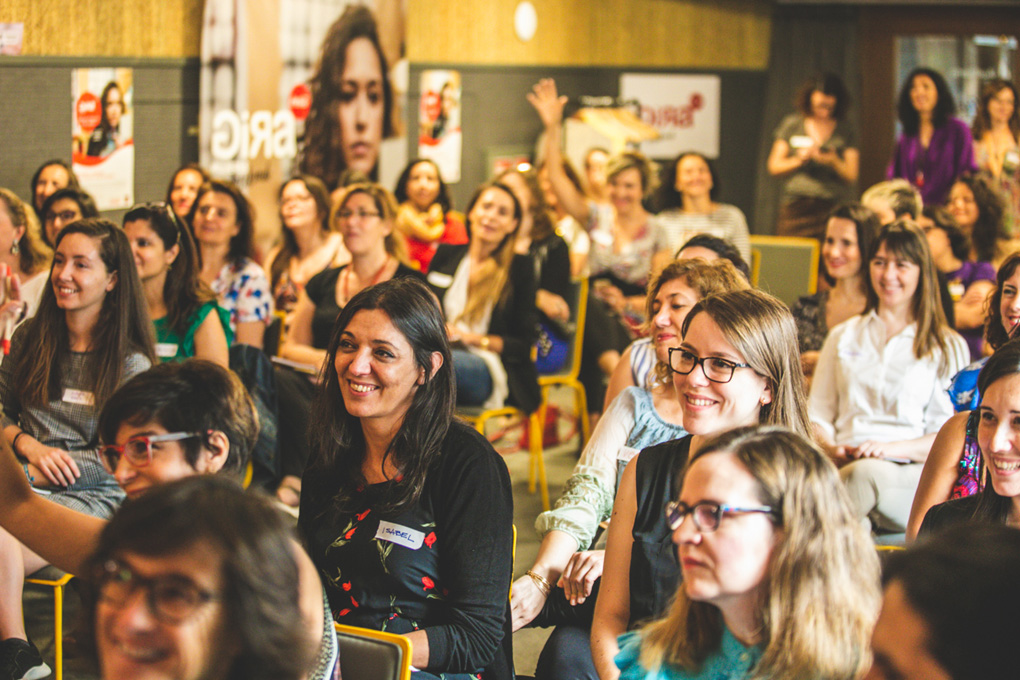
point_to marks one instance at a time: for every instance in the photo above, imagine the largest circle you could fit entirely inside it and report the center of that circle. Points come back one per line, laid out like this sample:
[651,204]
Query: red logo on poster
[300,101]
[88,111]
[431,105]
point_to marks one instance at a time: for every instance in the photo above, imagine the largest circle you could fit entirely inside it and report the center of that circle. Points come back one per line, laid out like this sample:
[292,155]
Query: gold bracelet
[484,342]
[542,583]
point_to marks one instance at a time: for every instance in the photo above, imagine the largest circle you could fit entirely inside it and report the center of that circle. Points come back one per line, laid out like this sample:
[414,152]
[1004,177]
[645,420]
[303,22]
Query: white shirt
[868,388]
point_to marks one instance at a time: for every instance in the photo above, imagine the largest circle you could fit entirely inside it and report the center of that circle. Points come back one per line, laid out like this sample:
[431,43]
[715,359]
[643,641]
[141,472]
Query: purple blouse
[933,170]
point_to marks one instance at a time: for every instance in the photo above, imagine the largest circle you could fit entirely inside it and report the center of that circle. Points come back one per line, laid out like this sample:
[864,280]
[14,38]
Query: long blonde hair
[820,596]
[703,277]
[491,281]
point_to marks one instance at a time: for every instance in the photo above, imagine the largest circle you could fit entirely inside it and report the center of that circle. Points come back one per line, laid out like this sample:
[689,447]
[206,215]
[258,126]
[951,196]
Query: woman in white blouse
[878,396]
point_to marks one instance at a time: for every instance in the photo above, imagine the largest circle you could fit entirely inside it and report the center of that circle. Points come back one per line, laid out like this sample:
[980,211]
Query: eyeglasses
[63,216]
[717,370]
[346,215]
[138,450]
[171,599]
[706,514]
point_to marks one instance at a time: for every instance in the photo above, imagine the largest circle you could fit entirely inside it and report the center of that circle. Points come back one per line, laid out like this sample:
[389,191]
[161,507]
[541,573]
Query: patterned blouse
[243,291]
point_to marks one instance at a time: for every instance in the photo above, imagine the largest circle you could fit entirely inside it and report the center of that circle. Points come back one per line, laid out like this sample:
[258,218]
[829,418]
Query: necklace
[375,279]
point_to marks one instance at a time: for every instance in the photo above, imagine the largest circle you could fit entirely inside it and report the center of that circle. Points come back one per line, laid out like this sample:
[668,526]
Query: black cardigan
[514,320]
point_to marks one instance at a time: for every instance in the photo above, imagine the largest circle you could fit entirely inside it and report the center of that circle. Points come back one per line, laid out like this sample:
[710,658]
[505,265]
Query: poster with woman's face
[310,86]
[102,147]
[439,138]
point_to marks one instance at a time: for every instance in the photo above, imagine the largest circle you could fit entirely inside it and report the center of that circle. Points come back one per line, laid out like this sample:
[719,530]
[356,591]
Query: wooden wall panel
[108,28]
[650,33]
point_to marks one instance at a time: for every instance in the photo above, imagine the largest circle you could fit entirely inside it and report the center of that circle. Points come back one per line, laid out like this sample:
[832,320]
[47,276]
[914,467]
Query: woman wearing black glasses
[764,534]
[183,309]
[91,333]
[738,365]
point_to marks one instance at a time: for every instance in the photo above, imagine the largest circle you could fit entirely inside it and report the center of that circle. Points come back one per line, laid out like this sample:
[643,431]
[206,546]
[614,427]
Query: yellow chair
[788,266]
[58,585]
[569,376]
[479,417]
[367,654]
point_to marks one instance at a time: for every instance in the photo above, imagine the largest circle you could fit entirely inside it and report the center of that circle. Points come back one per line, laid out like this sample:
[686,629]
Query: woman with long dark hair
[106,138]
[183,188]
[91,333]
[183,309]
[934,148]
[425,215]
[996,131]
[352,101]
[406,510]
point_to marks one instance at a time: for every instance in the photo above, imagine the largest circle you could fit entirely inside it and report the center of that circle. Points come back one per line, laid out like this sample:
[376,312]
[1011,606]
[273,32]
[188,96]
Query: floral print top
[243,291]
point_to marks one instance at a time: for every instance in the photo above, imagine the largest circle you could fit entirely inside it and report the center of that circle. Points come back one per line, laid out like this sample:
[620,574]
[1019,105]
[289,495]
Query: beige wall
[108,28]
[669,33]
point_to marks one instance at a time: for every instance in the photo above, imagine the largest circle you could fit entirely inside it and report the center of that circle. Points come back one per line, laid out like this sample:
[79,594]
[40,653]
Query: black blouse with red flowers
[444,565]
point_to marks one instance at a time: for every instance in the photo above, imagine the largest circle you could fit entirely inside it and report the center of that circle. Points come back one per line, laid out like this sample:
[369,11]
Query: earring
[15,248]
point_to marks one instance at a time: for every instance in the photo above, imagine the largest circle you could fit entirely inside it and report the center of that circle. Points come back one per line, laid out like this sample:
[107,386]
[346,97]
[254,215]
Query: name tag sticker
[801,142]
[402,536]
[79,397]
[166,349]
[439,279]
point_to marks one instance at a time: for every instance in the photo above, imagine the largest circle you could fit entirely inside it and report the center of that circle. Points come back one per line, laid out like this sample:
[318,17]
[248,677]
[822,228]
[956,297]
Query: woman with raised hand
[567,567]
[626,240]
[183,309]
[308,244]
[848,235]
[425,215]
[934,148]
[737,366]
[779,578]
[91,333]
[224,229]
[878,395]
[406,510]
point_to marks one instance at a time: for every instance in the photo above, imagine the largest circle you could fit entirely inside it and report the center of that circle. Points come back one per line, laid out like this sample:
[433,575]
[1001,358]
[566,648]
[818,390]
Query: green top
[171,347]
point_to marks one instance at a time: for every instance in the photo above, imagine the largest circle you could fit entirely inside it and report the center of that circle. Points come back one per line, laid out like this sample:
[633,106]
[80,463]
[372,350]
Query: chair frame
[59,585]
[399,641]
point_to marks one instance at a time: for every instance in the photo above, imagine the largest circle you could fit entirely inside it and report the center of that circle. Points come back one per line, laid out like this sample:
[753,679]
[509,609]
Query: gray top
[814,180]
[69,423]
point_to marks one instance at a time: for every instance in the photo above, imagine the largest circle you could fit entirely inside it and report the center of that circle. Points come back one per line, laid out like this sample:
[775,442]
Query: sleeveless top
[654,568]
[971,471]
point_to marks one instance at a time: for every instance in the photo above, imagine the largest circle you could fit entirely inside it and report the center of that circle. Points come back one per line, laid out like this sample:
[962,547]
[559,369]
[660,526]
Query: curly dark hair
[243,243]
[400,193]
[989,228]
[982,121]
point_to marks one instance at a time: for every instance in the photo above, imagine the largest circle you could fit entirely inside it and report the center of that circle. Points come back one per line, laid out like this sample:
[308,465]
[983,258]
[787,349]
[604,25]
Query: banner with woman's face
[301,85]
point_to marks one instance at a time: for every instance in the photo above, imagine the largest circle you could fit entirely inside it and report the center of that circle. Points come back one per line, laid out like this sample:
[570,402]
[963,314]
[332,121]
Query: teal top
[171,347]
[732,661]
